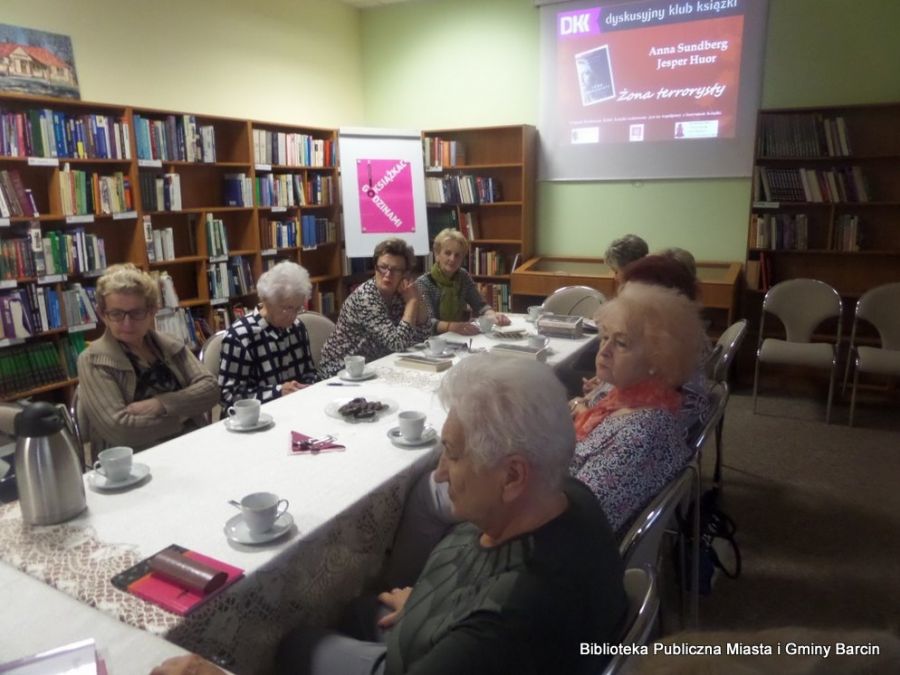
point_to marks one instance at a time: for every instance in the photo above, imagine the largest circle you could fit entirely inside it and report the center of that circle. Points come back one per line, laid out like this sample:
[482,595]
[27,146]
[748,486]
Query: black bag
[717,534]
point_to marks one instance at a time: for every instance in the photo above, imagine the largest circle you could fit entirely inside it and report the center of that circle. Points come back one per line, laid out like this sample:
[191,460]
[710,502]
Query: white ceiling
[365,4]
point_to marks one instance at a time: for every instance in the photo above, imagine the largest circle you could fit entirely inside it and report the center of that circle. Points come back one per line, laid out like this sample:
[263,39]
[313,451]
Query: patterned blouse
[369,327]
[257,358]
[628,459]
[469,295]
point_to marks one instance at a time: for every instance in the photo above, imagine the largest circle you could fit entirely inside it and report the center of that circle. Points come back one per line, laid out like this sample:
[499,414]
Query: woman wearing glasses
[266,354]
[138,387]
[384,315]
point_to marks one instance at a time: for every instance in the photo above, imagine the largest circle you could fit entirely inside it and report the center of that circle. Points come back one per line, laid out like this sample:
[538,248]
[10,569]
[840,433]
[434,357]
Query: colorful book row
[52,133]
[291,149]
[177,138]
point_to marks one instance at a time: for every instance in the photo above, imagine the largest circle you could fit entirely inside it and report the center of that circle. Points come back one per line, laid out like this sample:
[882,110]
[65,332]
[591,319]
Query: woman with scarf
[449,290]
[631,441]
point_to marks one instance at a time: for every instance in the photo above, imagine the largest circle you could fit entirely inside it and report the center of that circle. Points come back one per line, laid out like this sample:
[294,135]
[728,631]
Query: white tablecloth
[345,506]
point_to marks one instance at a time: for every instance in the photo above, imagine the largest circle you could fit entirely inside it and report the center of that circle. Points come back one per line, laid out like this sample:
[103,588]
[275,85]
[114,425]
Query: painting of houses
[36,62]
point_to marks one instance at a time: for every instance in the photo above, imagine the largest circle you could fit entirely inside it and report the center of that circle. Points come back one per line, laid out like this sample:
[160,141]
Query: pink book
[177,579]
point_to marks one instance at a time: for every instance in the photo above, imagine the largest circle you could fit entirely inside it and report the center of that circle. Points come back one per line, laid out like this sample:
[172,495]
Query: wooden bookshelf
[499,223]
[826,197]
[126,149]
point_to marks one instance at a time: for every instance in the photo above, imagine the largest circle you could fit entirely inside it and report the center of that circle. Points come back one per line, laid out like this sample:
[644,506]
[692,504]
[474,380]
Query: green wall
[453,63]
[292,61]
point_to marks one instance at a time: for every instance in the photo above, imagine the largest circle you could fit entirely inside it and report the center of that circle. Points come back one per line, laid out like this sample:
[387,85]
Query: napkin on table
[329,446]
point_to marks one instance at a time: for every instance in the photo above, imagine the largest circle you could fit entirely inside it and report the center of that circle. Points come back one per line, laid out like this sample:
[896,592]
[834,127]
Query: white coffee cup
[261,510]
[537,341]
[412,424]
[534,312]
[114,464]
[355,365]
[436,345]
[485,323]
[245,413]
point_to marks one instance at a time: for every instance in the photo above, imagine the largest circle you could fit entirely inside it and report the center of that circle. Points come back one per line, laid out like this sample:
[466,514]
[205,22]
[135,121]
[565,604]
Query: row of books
[82,193]
[160,192]
[227,279]
[440,152]
[26,367]
[283,189]
[487,262]
[37,255]
[496,295]
[841,184]
[177,138]
[315,230]
[462,189]
[779,231]
[324,301]
[181,324]
[15,198]
[161,244]
[223,317]
[34,309]
[216,237]
[803,135]
[237,190]
[291,149]
[54,133]
[847,234]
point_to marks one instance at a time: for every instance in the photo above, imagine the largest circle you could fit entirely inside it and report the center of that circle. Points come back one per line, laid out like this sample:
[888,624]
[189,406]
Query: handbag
[718,550]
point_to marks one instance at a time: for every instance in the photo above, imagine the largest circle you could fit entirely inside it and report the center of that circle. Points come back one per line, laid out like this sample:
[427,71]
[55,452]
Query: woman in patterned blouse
[631,442]
[449,290]
[384,315]
[266,354]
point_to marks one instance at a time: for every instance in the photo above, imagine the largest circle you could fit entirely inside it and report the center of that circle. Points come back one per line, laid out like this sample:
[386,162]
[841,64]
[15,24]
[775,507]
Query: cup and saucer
[264,422]
[366,375]
[412,432]
[101,483]
[237,530]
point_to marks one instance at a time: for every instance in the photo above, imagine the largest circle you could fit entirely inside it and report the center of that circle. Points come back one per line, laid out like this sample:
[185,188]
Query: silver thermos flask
[48,467]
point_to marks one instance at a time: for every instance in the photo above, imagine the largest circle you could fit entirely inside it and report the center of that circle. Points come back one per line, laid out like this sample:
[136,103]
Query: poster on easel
[383,189]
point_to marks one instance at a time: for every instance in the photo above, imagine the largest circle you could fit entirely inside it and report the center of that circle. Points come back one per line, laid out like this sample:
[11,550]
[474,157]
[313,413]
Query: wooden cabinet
[208,202]
[482,181]
[826,201]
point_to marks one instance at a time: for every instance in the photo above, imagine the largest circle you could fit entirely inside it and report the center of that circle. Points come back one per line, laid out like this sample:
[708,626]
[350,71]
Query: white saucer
[237,531]
[101,483]
[367,375]
[263,422]
[429,435]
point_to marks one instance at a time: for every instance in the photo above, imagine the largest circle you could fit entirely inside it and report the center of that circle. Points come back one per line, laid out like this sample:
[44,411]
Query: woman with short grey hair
[266,354]
[625,250]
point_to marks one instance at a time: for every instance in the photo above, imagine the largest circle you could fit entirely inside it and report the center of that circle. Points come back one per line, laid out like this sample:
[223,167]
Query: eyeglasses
[384,270]
[287,309]
[118,315]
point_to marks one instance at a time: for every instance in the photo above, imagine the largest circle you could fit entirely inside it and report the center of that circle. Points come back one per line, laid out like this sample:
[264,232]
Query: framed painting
[36,62]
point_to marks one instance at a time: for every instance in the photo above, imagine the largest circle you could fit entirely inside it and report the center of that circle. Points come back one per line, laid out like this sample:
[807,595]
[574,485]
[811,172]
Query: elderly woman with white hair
[137,386]
[532,573]
[266,354]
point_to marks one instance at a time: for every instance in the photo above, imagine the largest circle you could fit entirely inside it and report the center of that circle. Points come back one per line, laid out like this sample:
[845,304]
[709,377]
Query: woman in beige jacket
[137,386]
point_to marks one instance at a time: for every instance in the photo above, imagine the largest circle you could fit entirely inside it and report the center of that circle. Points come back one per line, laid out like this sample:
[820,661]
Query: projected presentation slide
[649,71]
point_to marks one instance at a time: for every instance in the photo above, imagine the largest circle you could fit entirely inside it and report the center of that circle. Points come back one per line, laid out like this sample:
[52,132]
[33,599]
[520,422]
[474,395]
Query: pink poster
[385,195]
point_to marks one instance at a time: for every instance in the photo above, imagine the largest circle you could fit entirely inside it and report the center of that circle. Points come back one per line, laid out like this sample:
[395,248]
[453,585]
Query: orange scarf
[652,393]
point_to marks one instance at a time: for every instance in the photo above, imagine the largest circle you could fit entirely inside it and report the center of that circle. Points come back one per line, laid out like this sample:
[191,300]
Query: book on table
[177,579]
[418,362]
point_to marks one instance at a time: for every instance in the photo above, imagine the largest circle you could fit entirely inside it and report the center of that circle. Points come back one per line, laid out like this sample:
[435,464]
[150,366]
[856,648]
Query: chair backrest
[641,544]
[802,304]
[718,400]
[880,306]
[320,327]
[574,301]
[726,349]
[643,608]
[211,353]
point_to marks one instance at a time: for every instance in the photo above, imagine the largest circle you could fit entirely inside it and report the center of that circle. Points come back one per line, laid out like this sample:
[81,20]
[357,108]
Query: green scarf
[450,308]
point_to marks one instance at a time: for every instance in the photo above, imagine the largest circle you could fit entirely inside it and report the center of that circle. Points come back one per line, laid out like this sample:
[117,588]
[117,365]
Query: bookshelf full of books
[204,203]
[481,181]
[826,197]
[295,189]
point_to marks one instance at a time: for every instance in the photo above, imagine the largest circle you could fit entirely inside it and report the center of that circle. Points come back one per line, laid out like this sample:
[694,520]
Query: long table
[345,506]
